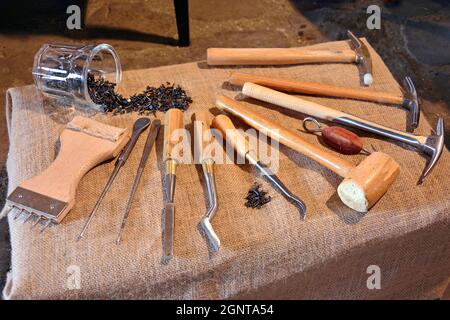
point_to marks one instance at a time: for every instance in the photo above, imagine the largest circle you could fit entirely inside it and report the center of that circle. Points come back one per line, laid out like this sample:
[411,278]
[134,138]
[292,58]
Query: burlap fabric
[267,253]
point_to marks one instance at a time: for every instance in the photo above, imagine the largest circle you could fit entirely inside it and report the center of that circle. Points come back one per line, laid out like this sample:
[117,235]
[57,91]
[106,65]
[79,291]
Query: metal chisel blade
[169,216]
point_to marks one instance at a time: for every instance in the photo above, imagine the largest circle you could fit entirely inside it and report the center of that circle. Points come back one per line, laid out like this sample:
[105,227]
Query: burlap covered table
[267,253]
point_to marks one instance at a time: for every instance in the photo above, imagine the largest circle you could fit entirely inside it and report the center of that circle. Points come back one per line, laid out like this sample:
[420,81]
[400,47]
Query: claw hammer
[408,100]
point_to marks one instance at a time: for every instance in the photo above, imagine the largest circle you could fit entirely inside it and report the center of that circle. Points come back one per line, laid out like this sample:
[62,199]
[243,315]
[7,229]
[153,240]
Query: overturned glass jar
[62,71]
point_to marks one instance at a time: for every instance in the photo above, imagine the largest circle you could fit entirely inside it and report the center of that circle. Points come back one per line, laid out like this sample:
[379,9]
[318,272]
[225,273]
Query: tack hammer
[431,145]
[363,185]
[408,100]
[276,56]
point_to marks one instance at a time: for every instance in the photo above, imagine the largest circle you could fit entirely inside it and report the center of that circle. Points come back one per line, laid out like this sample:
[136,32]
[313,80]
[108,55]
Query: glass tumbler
[61,71]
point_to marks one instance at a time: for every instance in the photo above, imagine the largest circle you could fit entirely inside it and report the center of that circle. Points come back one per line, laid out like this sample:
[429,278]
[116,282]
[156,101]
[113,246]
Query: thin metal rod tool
[276,182]
[139,126]
[153,133]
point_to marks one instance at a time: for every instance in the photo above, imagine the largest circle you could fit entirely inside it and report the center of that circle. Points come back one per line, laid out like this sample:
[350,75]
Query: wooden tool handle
[286,136]
[272,56]
[290,102]
[173,121]
[202,134]
[79,152]
[313,88]
[232,135]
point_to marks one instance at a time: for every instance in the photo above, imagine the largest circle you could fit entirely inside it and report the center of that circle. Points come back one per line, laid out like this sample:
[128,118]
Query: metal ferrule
[170,177]
[171,166]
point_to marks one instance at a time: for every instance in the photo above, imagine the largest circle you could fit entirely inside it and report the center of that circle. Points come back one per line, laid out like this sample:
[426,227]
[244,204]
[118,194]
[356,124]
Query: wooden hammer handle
[286,136]
[173,121]
[273,56]
[233,136]
[313,88]
[202,134]
[290,102]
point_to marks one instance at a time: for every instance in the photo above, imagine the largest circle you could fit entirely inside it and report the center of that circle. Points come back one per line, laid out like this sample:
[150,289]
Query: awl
[153,133]
[139,126]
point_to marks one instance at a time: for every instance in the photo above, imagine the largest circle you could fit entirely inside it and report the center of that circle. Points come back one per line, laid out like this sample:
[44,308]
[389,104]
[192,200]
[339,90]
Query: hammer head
[363,58]
[368,182]
[411,102]
[433,148]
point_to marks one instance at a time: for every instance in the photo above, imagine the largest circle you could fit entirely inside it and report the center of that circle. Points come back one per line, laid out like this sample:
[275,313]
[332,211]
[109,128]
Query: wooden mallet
[362,186]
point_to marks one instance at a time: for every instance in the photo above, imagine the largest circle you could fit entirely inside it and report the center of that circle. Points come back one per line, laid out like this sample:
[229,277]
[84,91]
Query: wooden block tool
[50,195]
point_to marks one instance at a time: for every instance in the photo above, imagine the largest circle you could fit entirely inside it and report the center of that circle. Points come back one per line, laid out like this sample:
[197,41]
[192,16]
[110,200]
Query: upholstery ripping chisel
[173,122]
[139,126]
[153,133]
[49,196]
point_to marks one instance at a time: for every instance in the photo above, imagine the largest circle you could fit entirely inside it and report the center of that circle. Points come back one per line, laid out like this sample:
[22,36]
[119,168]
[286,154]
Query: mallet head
[363,58]
[411,102]
[366,183]
[433,148]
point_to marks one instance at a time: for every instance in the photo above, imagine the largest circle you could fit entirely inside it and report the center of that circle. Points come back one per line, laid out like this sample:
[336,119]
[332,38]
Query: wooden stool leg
[182,16]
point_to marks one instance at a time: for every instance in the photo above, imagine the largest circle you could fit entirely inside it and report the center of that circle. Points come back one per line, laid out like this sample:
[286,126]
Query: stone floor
[414,40]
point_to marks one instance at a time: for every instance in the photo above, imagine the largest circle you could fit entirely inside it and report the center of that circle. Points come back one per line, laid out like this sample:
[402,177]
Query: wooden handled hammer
[408,100]
[431,145]
[276,56]
[363,185]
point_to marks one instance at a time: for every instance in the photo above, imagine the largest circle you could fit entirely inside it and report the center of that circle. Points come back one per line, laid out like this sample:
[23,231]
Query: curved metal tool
[153,133]
[203,138]
[273,179]
[411,102]
[213,204]
[139,126]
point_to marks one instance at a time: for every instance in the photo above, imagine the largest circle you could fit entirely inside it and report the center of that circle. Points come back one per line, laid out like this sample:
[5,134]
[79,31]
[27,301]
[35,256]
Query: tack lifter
[243,148]
[201,131]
